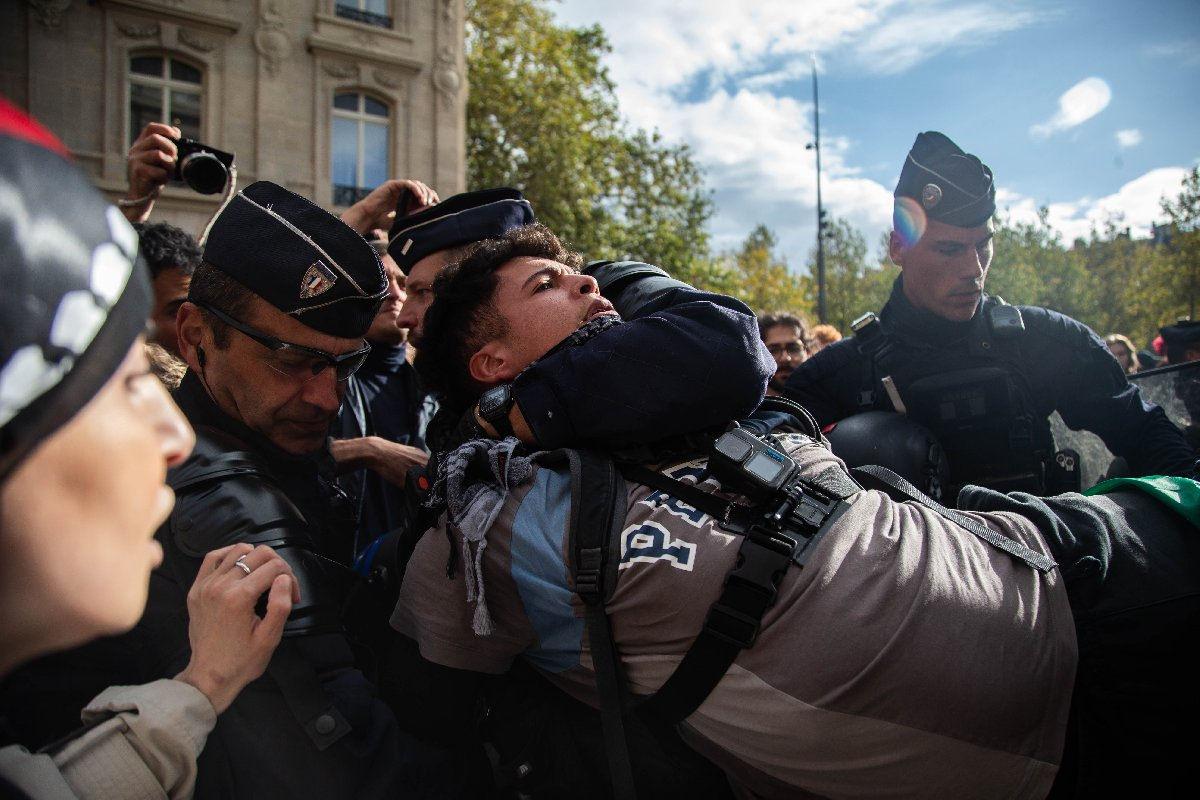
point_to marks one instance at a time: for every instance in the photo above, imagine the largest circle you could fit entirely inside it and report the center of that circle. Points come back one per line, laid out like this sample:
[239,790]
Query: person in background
[1123,351]
[172,255]
[1181,341]
[86,436]
[150,164]
[822,336]
[783,334]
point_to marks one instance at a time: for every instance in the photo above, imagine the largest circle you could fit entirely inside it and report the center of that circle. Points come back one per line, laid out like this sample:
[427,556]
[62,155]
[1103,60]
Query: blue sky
[1089,108]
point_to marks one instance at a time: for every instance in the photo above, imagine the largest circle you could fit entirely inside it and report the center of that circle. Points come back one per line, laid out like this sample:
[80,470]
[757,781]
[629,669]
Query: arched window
[164,89]
[360,146]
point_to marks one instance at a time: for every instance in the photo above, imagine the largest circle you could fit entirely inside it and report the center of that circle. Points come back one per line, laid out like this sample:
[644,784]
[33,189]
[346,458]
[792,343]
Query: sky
[1089,108]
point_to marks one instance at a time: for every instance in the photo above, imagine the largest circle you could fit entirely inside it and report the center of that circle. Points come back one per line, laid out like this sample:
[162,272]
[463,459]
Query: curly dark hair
[462,318]
[165,246]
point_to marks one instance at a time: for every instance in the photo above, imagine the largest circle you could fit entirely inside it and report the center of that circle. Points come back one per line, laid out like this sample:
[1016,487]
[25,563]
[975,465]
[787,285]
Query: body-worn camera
[746,464]
[201,166]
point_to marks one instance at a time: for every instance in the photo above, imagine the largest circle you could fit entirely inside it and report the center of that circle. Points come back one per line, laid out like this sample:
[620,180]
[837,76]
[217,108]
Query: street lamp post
[816,145]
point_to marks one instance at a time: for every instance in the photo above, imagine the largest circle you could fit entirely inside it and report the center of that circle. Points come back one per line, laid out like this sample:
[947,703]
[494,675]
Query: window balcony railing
[348,195]
[365,17]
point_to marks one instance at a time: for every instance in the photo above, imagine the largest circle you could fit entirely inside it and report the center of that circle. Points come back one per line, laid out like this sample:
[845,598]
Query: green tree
[762,279]
[542,116]
[1183,239]
[852,285]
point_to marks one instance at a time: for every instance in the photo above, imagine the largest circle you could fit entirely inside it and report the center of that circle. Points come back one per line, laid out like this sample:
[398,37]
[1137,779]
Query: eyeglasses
[791,348]
[313,362]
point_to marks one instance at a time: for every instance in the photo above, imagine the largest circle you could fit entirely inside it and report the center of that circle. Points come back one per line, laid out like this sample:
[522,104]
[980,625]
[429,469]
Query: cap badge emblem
[931,195]
[317,279]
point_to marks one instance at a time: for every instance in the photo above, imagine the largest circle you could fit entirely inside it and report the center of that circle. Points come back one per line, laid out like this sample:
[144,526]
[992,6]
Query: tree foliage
[542,116]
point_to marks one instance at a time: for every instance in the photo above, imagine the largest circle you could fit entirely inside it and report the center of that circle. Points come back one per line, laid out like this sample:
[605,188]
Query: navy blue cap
[299,258]
[951,186]
[462,219]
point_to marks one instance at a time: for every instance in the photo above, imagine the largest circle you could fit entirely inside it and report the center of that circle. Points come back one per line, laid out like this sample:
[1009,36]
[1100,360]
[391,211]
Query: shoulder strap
[901,490]
[598,504]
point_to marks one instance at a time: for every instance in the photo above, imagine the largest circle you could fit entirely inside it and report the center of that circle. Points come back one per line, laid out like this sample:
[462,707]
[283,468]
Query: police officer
[272,329]
[982,375]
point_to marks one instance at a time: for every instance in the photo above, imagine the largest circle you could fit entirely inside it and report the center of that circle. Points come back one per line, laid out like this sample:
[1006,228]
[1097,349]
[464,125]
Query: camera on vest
[746,464]
[201,166]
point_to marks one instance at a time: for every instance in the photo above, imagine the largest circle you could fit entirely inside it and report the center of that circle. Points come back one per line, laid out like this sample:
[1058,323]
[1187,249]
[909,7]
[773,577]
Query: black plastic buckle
[750,589]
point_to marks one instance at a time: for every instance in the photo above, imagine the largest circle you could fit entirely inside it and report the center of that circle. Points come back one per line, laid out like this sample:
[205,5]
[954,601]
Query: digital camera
[201,166]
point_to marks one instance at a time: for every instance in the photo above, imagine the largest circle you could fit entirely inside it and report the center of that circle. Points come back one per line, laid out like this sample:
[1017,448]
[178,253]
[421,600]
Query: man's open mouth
[598,307]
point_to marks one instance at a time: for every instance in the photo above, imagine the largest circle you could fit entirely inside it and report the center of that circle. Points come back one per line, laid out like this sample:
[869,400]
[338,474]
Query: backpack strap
[599,500]
[751,587]
[901,490]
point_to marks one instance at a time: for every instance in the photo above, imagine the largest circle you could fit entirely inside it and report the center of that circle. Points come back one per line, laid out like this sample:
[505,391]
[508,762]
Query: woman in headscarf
[86,436]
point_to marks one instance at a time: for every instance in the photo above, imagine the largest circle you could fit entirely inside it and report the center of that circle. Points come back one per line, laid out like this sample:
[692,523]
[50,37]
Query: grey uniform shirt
[908,658]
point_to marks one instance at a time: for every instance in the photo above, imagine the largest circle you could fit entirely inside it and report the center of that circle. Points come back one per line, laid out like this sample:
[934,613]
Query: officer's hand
[391,460]
[231,644]
[378,209]
[151,164]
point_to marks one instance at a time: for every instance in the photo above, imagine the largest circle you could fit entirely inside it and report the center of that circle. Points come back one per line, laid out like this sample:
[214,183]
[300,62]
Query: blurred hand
[391,460]
[231,644]
[151,163]
[378,209]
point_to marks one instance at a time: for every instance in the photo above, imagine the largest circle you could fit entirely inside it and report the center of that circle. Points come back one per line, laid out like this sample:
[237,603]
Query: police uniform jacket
[311,726]
[1055,364]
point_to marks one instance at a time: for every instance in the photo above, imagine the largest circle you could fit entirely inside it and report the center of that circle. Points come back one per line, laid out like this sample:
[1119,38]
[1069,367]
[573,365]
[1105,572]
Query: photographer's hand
[231,644]
[378,209]
[151,163]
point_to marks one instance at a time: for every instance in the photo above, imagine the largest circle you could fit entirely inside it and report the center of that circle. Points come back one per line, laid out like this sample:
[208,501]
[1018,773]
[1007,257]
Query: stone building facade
[326,97]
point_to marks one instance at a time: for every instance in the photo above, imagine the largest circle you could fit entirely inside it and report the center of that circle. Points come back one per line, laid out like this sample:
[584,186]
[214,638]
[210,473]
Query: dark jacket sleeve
[828,383]
[684,360]
[1091,393]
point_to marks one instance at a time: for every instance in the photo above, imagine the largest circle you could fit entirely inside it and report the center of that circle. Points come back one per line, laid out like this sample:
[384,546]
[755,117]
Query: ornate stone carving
[340,69]
[196,41]
[384,78]
[271,39]
[446,78]
[135,30]
[49,12]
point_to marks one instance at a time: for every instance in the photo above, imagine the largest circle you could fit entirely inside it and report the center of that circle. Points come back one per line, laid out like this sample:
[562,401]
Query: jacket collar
[903,319]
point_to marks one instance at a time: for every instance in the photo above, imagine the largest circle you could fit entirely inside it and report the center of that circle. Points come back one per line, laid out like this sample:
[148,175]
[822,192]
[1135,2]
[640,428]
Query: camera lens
[204,172]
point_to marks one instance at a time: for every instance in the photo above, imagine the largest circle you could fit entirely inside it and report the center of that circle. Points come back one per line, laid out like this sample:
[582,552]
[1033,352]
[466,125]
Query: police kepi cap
[462,219]
[299,258]
[950,185]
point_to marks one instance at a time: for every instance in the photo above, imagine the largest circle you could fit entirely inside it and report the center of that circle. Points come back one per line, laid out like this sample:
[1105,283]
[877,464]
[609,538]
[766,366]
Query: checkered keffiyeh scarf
[473,481]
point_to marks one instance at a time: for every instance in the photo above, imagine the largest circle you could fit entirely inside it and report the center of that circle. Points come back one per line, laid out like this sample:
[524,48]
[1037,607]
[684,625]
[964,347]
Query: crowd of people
[417,501]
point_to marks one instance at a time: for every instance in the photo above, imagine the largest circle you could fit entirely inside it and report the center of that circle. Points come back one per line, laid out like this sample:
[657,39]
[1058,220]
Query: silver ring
[241,562]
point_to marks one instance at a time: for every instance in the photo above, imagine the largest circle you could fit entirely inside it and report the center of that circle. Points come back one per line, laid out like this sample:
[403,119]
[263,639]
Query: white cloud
[749,140]
[1131,137]
[1184,51]
[1077,105]
[928,29]
[1136,205]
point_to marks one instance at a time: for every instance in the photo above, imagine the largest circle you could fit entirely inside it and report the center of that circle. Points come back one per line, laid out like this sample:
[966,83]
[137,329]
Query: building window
[360,146]
[368,12]
[164,89]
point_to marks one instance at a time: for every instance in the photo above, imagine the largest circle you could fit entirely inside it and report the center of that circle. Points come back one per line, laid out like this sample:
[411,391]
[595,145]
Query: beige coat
[143,744]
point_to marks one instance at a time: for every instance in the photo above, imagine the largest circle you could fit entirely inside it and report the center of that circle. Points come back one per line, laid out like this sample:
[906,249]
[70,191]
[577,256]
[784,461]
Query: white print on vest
[649,542]
[673,505]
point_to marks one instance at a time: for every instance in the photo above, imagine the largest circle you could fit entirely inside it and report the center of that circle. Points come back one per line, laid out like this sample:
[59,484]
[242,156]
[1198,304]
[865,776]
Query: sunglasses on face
[791,348]
[296,361]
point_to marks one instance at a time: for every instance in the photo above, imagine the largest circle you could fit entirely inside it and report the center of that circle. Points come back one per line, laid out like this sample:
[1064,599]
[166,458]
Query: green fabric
[1181,495]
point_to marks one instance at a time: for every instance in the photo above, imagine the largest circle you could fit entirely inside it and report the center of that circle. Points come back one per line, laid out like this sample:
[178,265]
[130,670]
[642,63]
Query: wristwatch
[494,406]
